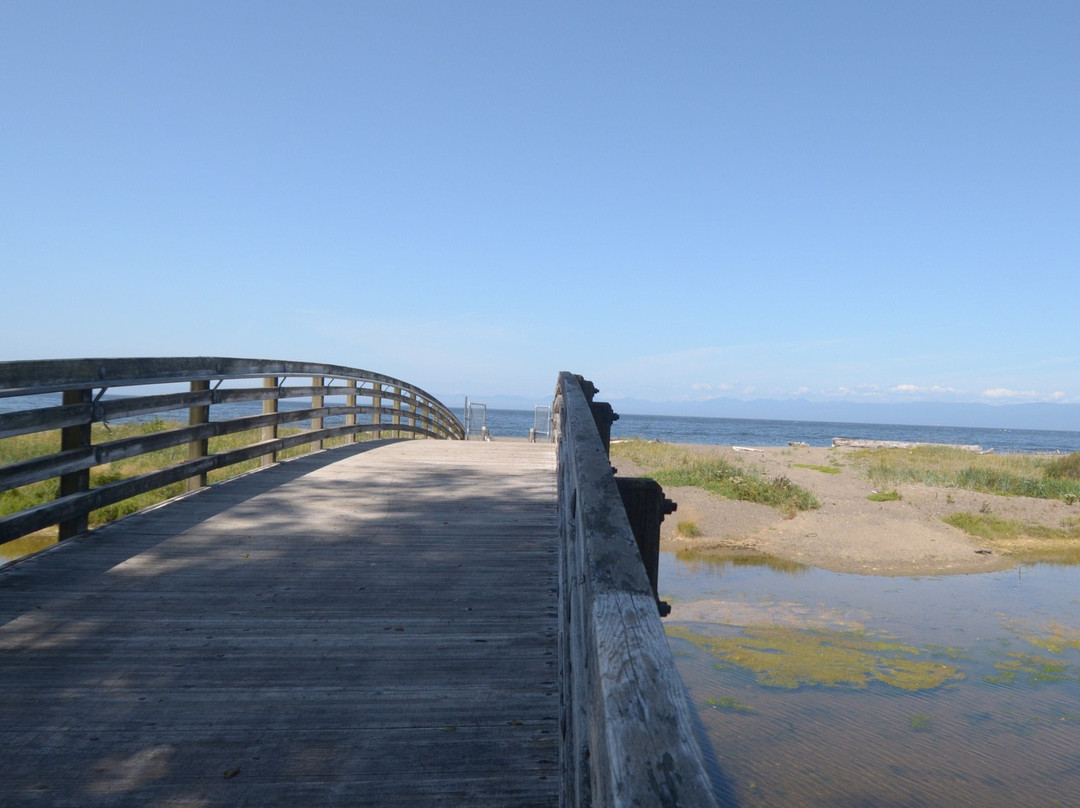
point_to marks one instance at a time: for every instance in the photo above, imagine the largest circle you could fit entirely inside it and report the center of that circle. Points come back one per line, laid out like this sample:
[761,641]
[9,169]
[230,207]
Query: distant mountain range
[923,413]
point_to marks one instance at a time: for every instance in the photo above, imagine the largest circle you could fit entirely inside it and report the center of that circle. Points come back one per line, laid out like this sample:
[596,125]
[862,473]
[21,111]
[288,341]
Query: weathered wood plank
[28,377]
[629,738]
[306,628]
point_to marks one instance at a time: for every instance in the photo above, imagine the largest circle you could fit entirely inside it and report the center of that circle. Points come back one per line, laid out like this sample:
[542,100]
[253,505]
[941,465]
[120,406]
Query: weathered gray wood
[79,379]
[627,730]
[78,504]
[74,483]
[270,431]
[44,468]
[316,404]
[46,376]
[350,402]
[21,422]
[375,625]
[24,422]
[197,416]
[54,375]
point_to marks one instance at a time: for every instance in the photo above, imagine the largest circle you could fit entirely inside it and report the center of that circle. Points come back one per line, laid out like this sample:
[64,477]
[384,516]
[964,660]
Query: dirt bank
[848,533]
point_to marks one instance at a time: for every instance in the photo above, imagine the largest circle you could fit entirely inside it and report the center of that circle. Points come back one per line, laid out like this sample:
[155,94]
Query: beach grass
[1024,541]
[1066,467]
[884,496]
[812,467]
[687,529]
[1026,475]
[994,528]
[676,466]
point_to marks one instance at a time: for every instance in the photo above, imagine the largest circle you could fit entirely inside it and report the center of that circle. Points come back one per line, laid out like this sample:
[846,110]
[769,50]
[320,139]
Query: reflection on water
[819,689]
[1064,552]
[712,558]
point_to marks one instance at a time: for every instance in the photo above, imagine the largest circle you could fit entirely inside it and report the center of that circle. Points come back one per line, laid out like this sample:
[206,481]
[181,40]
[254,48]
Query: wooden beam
[316,423]
[350,401]
[397,411]
[270,407]
[74,438]
[198,448]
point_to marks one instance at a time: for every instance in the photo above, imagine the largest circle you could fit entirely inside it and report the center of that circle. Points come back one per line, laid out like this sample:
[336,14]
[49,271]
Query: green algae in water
[921,722]
[1057,638]
[1033,668]
[782,656]
[1053,637]
[729,703]
[948,652]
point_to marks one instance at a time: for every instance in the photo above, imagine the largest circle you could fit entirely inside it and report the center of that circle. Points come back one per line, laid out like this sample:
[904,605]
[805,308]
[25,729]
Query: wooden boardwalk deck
[367,626]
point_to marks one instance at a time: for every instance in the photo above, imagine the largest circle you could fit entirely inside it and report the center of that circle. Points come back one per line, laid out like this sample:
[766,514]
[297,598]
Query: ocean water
[759,432]
[716,431]
[752,432]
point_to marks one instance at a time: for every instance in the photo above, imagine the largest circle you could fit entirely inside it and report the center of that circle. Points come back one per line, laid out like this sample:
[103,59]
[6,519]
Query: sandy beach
[848,533]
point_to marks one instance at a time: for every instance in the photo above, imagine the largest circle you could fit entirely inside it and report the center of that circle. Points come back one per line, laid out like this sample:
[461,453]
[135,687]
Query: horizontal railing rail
[368,404]
[626,728]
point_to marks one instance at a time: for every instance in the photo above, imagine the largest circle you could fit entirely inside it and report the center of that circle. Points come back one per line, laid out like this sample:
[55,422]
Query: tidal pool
[819,689]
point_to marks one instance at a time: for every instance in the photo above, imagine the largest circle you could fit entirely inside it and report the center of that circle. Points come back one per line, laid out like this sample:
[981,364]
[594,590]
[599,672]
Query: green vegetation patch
[920,722]
[1066,467]
[884,496]
[946,467]
[985,525]
[785,657]
[995,528]
[1054,637]
[729,703]
[822,469]
[1033,668]
[1024,540]
[688,529]
[683,466]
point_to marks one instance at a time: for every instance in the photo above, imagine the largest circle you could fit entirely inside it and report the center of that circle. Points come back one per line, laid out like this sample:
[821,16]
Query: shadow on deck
[376,625]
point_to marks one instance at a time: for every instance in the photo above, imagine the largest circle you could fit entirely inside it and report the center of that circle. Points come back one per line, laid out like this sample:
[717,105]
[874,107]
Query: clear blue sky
[834,200]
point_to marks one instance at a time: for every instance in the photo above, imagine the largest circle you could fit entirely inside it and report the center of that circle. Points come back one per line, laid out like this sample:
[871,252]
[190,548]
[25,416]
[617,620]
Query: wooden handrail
[84,382]
[627,731]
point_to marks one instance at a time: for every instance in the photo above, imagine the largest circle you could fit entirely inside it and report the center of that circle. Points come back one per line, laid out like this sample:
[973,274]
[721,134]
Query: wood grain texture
[627,731]
[372,625]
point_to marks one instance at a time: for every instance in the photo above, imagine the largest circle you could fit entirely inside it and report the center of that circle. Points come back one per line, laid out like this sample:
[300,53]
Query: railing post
[397,412]
[269,407]
[316,423]
[75,437]
[376,407]
[198,448]
[350,418]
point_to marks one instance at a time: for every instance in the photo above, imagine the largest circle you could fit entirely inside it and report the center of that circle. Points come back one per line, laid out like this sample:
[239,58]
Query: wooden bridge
[390,622]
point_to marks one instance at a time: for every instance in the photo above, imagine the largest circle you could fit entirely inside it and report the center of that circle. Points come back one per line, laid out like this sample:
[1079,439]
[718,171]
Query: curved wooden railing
[363,403]
[627,731]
